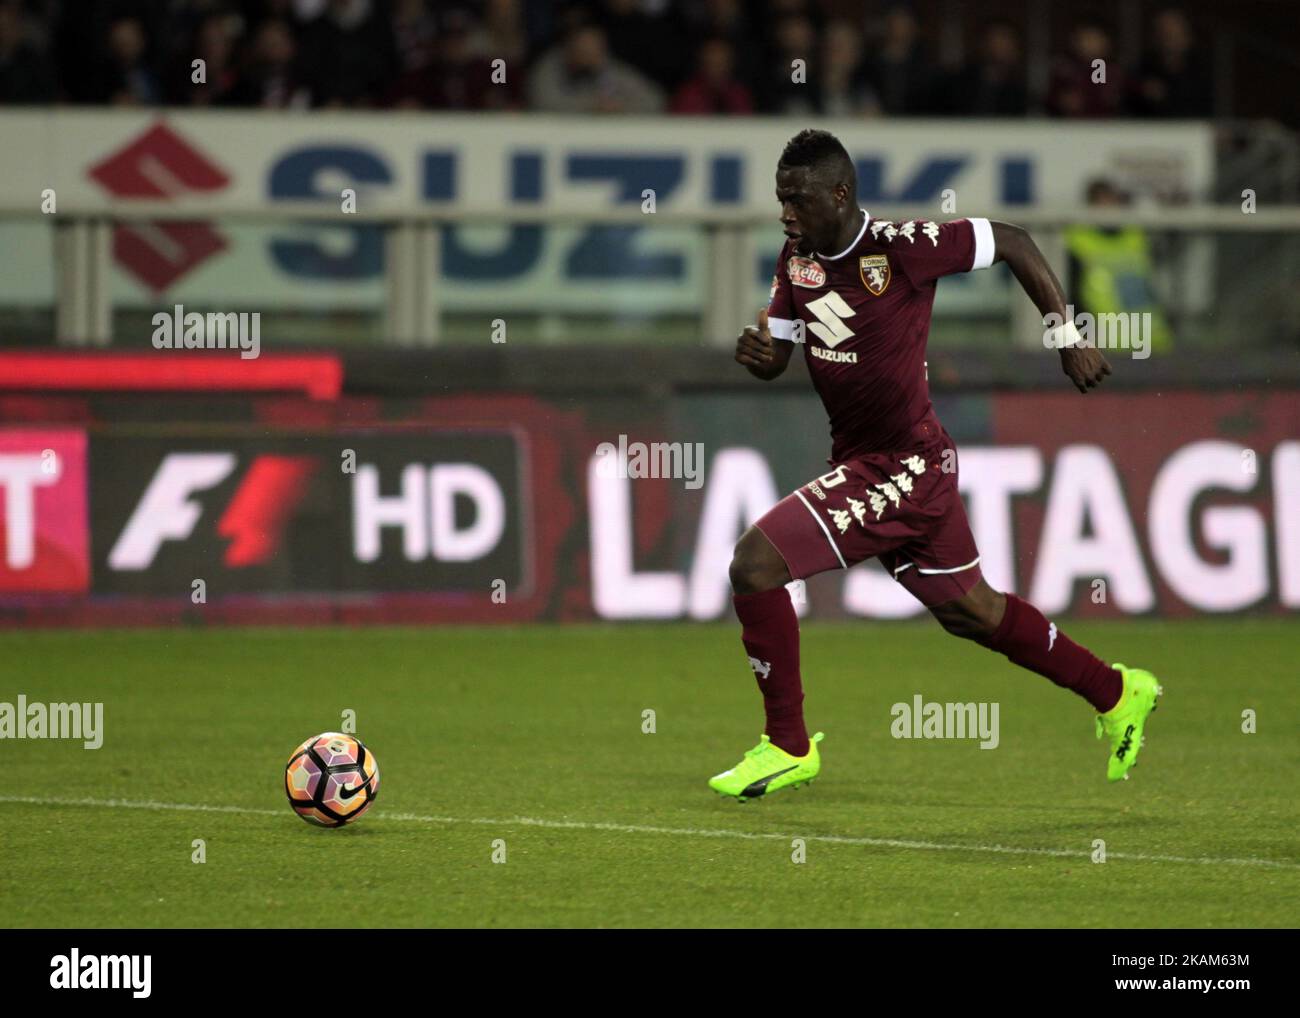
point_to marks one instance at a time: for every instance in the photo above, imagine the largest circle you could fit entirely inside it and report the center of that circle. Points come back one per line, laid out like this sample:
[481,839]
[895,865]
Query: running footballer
[857,294]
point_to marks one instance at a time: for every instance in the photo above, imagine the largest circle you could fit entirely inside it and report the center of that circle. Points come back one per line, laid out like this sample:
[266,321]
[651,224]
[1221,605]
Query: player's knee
[965,619]
[756,565]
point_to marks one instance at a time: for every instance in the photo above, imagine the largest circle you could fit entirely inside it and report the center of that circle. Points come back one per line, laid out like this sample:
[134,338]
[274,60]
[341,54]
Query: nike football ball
[331,779]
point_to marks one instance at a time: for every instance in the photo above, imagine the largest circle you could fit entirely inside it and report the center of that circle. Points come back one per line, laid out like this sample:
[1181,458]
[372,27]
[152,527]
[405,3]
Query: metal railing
[413,306]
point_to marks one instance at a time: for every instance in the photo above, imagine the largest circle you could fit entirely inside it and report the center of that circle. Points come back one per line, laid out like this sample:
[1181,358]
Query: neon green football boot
[766,769]
[1125,722]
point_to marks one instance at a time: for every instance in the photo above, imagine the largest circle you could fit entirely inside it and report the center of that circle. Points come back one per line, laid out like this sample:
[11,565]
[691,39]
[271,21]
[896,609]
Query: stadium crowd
[629,56]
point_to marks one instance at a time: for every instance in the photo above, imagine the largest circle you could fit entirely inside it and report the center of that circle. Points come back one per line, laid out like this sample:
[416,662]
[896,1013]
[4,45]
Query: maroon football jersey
[863,316]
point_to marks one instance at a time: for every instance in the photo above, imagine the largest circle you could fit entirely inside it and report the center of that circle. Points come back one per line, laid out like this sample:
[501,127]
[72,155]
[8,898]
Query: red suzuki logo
[160,165]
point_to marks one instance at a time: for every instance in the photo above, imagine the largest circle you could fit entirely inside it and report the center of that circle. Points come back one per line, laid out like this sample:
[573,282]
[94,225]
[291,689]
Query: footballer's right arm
[762,356]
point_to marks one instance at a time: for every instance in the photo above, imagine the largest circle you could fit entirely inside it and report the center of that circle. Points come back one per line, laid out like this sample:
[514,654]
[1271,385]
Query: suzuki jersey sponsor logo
[805,272]
[834,356]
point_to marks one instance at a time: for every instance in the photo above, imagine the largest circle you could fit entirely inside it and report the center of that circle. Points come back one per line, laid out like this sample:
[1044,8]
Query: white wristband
[1062,337]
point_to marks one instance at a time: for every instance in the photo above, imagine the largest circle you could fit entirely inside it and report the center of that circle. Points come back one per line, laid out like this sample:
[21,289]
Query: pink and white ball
[331,779]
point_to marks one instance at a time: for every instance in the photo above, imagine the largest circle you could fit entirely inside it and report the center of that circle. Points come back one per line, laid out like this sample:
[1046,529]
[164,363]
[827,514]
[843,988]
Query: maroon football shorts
[902,509]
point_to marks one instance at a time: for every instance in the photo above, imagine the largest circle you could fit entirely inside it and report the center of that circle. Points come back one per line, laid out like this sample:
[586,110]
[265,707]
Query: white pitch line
[686,832]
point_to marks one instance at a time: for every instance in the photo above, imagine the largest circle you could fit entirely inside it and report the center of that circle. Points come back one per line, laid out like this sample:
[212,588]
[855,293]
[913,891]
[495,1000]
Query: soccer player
[857,293]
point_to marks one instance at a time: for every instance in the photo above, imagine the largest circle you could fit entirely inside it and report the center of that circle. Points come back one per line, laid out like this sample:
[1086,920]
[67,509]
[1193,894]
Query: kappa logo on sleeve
[883,227]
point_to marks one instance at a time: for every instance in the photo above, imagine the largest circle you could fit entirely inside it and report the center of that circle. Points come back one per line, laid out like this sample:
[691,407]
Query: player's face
[811,210]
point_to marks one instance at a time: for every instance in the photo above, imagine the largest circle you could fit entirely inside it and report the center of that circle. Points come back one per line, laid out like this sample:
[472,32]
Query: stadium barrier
[501,506]
[407,222]
[146,486]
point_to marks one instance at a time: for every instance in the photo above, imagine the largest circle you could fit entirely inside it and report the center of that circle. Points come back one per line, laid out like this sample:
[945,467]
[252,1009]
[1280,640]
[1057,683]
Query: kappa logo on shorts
[875,273]
[805,272]
[841,519]
[816,489]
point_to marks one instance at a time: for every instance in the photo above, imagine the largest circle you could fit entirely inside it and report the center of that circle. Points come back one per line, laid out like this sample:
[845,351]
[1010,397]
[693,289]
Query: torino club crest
[875,273]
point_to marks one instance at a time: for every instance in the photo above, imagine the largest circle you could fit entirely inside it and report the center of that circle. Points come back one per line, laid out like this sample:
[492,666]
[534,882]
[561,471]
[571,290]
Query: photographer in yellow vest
[1110,267]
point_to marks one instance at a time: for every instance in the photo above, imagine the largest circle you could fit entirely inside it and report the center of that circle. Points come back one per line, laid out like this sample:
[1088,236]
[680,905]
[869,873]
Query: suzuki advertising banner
[500,165]
[513,508]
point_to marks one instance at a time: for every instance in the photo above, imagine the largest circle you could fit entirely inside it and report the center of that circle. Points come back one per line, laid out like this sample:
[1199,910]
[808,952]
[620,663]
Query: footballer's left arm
[1085,365]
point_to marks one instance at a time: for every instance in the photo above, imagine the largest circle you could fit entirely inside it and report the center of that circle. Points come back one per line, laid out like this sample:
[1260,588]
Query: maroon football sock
[771,638]
[1029,640]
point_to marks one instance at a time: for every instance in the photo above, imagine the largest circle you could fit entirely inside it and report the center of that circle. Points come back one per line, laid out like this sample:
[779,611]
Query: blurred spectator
[1111,270]
[721,19]
[502,36]
[25,74]
[272,80]
[214,44]
[127,79]
[579,76]
[843,89]
[1075,90]
[993,84]
[415,34]
[785,87]
[725,19]
[903,76]
[715,87]
[1174,79]
[458,79]
[778,9]
[350,54]
[649,42]
[710,56]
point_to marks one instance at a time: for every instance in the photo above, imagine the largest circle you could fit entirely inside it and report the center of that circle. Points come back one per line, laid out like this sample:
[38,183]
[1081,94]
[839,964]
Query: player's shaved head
[817,187]
[826,160]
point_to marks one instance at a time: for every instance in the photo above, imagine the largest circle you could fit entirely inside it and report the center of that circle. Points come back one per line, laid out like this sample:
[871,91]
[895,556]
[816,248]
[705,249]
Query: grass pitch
[532,737]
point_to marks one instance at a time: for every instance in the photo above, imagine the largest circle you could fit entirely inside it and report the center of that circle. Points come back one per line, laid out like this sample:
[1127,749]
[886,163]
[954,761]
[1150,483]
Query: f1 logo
[253,521]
